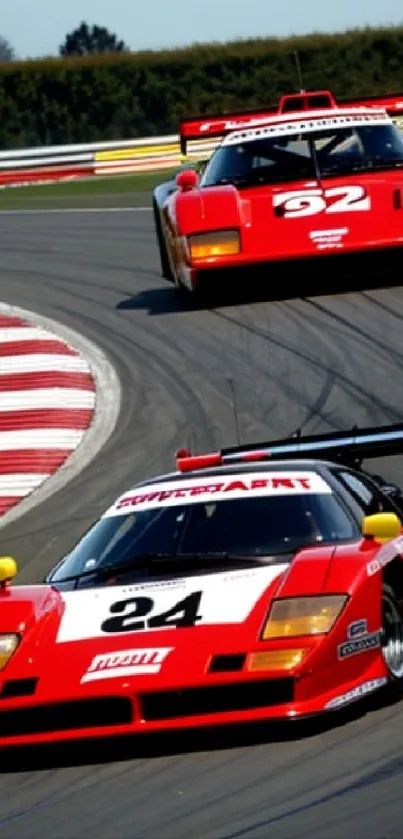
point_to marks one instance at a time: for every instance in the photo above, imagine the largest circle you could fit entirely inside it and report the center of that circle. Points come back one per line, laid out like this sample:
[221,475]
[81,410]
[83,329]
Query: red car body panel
[361,212]
[266,237]
[38,613]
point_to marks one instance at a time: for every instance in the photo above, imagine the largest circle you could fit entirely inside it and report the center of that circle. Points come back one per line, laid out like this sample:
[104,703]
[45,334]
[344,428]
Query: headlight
[8,646]
[217,243]
[291,617]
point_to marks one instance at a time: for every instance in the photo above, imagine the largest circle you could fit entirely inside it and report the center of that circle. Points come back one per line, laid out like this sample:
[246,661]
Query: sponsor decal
[171,493]
[122,663]
[235,124]
[385,555]
[324,239]
[180,582]
[356,693]
[229,125]
[276,127]
[357,628]
[359,640]
[372,641]
[205,599]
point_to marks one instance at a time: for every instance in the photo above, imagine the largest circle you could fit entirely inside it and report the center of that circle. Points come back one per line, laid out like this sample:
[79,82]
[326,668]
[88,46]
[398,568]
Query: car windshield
[213,532]
[327,152]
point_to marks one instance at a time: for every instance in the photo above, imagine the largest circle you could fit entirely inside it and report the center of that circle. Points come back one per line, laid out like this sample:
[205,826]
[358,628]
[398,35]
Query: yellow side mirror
[8,570]
[383,527]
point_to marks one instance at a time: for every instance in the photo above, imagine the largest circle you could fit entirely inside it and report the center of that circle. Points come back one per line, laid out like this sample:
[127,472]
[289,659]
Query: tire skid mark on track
[361,336]
[178,388]
[346,383]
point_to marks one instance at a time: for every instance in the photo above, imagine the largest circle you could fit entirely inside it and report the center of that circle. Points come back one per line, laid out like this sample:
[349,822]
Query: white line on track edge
[105,417]
[59,210]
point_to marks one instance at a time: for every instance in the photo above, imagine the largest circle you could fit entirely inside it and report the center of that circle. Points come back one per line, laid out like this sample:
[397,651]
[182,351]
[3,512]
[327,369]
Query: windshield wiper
[141,560]
[145,559]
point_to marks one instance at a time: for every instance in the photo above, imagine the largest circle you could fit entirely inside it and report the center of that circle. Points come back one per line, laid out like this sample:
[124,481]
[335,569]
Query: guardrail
[60,163]
[57,163]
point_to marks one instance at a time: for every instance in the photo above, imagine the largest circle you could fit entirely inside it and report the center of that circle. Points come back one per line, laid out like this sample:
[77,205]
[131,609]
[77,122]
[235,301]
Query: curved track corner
[95,428]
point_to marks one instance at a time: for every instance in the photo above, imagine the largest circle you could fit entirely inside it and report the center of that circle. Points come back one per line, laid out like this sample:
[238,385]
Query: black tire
[392,636]
[164,260]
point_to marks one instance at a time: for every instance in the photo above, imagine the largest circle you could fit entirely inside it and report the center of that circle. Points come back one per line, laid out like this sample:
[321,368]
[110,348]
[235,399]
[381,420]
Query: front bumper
[26,722]
[365,260]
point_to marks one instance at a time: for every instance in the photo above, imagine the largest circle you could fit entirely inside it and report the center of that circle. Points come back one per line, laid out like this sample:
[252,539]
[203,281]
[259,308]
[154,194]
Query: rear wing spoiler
[209,129]
[350,448]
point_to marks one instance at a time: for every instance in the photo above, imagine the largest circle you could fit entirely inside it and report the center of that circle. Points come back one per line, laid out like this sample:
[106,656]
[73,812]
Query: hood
[173,628]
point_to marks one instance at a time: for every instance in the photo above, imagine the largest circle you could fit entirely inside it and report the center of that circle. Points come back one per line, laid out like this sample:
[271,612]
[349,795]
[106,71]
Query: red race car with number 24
[256,583]
[310,180]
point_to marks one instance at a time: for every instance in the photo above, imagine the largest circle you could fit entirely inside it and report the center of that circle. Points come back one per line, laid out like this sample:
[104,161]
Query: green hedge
[141,94]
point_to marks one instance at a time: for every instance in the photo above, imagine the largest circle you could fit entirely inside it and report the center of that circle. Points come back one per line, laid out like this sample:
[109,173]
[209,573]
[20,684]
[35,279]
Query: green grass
[108,191]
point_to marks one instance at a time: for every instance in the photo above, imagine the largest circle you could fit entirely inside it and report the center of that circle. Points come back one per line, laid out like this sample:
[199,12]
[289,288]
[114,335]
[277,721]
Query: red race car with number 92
[311,184]
[255,583]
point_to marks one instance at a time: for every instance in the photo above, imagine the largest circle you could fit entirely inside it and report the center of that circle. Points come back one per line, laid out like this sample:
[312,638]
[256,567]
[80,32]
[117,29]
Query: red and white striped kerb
[47,401]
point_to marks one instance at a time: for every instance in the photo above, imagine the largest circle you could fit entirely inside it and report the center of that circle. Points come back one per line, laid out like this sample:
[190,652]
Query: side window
[367,494]
[362,493]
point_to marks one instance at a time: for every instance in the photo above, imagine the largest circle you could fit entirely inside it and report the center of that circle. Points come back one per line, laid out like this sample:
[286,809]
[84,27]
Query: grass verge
[109,191]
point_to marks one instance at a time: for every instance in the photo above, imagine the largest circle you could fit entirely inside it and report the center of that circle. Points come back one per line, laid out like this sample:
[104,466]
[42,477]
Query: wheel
[392,635]
[166,269]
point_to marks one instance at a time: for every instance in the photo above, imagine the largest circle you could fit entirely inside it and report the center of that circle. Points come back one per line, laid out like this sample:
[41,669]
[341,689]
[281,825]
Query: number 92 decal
[309,202]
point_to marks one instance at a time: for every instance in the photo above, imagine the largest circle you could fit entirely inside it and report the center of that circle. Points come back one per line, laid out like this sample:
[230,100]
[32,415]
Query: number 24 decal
[309,202]
[135,614]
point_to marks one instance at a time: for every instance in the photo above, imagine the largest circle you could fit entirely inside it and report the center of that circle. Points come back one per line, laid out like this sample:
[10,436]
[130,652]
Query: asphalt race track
[321,362]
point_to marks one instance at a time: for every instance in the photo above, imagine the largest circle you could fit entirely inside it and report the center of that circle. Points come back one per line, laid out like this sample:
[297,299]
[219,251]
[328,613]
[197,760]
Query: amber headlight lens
[289,618]
[8,646]
[216,243]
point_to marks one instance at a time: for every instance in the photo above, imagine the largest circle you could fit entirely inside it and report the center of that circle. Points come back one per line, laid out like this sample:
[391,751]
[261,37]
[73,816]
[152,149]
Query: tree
[86,40]
[6,50]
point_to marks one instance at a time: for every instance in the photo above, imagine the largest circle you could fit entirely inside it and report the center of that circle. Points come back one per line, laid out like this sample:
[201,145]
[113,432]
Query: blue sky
[37,27]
